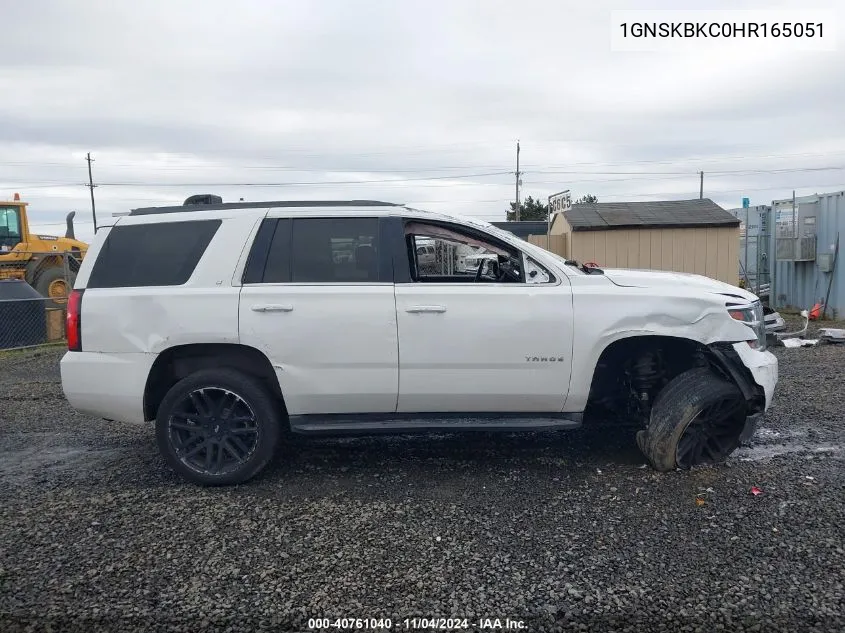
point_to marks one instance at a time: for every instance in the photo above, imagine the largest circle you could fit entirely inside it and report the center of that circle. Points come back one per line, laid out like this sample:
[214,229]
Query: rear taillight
[73,324]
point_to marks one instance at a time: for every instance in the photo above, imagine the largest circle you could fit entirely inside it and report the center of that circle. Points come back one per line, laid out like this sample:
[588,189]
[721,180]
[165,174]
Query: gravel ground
[562,531]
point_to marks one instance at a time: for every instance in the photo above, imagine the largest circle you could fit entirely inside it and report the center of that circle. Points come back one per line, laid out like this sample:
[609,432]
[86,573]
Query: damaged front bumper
[755,372]
[763,367]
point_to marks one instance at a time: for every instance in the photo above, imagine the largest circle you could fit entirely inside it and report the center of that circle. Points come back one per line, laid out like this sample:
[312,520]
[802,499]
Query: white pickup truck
[231,325]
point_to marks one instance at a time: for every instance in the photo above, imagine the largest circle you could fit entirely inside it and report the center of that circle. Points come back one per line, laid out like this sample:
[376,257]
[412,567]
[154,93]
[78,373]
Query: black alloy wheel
[697,418]
[219,426]
[213,431]
[712,434]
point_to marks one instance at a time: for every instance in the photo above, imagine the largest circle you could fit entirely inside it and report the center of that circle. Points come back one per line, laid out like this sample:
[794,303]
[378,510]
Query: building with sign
[694,236]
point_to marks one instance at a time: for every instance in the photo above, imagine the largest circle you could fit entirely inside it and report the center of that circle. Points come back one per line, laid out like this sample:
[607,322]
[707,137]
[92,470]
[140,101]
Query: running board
[344,424]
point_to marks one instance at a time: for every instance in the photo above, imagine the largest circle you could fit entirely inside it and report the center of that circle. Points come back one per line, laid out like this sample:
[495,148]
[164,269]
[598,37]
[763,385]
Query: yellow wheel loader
[49,264]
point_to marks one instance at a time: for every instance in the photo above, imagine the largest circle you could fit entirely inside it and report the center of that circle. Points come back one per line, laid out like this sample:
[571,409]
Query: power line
[613,180]
[676,176]
[424,181]
[207,165]
[643,175]
[743,172]
[701,159]
[410,149]
[192,167]
[287,184]
[838,186]
[42,186]
[407,150]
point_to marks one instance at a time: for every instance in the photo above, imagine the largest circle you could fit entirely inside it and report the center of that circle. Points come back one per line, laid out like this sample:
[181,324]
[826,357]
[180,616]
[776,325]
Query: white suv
[230,325]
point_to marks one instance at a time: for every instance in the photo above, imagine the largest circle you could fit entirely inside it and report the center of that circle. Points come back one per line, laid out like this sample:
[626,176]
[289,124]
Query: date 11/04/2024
[411,624]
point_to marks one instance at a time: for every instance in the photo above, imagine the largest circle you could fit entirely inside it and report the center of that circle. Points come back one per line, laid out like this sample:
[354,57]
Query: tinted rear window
[316,250]
[161,254]
[334,250]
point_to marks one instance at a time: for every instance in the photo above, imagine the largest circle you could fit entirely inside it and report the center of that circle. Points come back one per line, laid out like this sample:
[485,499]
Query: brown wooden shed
[694,236]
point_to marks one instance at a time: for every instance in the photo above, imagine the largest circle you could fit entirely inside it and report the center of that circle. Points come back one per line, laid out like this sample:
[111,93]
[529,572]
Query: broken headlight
[752,316]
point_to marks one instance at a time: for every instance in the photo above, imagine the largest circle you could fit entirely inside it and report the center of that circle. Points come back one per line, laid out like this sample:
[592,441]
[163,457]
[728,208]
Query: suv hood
[631,278]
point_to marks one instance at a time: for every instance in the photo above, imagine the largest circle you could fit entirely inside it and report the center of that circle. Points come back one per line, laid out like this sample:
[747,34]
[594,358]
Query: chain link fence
[33,297]
[755,265]
[437,258]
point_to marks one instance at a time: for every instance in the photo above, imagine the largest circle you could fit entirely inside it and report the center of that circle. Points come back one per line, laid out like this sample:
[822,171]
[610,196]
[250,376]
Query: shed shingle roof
[524,228]
[687,214]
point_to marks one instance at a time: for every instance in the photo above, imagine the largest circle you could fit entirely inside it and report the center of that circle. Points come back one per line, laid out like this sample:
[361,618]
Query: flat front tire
[696,419]
[218,427]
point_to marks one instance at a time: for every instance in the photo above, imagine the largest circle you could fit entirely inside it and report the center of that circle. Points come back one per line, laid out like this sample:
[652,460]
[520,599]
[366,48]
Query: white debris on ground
[799,342]
[832,334]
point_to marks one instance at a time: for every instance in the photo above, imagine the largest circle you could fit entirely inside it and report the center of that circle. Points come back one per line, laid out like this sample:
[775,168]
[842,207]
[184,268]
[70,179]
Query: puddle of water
[28,461]
[765,434]
[756,453]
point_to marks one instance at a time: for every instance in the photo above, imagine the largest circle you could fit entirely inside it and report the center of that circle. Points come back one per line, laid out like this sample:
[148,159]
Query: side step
[365,424]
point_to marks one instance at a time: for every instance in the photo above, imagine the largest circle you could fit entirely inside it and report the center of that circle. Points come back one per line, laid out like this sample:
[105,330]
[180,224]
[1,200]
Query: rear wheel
[218,427]
[696,419]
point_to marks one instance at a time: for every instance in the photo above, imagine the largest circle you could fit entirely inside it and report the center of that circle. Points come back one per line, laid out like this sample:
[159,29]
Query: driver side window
[448,254]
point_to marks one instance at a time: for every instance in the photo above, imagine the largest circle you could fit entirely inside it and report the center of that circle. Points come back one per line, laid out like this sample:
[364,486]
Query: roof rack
[262,205]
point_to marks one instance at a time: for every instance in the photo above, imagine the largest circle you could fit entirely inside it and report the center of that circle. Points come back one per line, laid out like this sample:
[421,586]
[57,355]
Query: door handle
[418,309]
[271,307]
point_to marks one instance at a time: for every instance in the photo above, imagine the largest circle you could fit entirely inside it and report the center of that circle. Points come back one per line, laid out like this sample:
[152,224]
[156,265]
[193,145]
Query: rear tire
[218,427]
[696,419]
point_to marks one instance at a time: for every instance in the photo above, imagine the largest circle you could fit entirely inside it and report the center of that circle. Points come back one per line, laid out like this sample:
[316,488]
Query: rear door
[318,299]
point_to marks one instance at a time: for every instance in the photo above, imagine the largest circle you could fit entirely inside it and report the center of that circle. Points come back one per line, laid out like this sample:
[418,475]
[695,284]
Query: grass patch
[31,351]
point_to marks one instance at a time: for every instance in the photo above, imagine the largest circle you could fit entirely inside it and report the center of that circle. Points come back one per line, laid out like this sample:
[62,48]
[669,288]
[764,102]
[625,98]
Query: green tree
[587,199]
[529,209]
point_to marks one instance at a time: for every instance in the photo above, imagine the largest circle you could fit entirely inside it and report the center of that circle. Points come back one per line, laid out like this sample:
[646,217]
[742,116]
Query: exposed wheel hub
[712,434]
[57,289]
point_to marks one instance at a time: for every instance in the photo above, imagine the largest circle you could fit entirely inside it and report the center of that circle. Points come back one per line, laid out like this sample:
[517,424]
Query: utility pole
[701,186]
[91,186]
[517,181]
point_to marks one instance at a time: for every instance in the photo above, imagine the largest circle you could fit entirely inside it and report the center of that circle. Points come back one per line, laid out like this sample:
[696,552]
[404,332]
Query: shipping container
[803,242]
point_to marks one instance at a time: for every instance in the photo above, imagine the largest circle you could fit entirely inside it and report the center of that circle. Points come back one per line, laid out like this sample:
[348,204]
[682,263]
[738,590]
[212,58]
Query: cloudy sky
[410,101]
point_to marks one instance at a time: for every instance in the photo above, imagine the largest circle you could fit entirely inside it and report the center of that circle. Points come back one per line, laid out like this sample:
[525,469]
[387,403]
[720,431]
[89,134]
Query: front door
[495,341]
[323,310]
